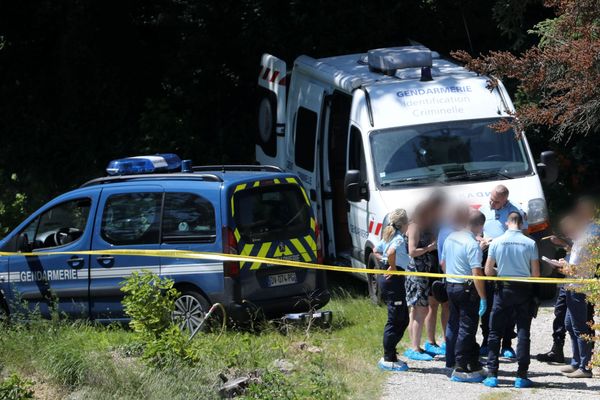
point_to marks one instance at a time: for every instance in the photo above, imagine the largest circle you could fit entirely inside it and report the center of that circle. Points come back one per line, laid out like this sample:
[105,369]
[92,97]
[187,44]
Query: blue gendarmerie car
[156,203]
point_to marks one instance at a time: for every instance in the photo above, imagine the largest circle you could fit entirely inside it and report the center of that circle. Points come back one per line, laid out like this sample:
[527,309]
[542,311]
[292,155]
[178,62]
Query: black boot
[555,355]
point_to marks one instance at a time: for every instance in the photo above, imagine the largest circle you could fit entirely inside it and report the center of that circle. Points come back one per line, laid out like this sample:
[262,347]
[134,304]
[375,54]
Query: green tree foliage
[558,84]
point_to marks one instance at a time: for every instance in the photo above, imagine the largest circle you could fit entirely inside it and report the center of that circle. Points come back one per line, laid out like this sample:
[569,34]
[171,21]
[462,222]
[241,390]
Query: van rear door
[272,88]
[273,219]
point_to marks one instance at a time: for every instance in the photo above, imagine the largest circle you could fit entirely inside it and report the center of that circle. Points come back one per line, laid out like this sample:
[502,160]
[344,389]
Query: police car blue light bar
[167,162]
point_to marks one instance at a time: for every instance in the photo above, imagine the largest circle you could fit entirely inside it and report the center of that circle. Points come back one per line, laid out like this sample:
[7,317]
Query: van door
[336,238]
[272,88]
[307,125]
[274,220]
[38,282]
[358,216]
[127,218]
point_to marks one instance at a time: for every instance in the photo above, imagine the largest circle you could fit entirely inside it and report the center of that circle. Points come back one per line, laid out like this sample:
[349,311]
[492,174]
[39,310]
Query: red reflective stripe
[476,206]
[283,81]
[266,74]
[379,225]
[370,226]
[274,76]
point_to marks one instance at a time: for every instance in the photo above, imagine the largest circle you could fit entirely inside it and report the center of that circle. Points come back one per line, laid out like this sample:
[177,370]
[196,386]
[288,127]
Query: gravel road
[430,380]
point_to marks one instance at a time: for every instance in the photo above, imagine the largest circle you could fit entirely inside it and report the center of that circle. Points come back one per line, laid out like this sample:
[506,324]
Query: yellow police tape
[288,263]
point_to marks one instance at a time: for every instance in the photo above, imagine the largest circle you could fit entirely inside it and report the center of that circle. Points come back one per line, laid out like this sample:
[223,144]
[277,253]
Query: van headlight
[537,212]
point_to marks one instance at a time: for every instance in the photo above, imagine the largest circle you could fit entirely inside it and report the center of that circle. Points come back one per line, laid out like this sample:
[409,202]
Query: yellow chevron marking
[264,248]
[305,196]
[311,243]
[300,249]
[246,251]
[276,180]
[256,184]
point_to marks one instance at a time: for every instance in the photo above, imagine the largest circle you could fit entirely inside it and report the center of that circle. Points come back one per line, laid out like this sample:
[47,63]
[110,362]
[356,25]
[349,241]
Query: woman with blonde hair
[392,254]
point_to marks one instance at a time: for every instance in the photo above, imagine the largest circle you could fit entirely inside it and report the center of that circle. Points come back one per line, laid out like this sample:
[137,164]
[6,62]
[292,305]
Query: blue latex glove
[482,307]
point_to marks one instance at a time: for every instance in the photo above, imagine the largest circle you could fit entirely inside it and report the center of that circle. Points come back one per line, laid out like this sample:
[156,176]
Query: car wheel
[190,309]
[373,285]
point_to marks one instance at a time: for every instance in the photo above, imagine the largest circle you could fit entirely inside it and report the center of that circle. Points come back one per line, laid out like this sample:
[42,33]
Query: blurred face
[585,211]
[478,230]
[497,201]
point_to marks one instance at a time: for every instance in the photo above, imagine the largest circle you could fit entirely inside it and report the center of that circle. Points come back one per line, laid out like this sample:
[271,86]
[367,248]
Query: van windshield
[270,213]
[445,153]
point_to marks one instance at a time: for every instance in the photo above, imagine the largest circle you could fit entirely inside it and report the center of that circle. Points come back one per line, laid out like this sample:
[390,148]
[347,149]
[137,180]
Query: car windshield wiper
[476,175]
[410,180]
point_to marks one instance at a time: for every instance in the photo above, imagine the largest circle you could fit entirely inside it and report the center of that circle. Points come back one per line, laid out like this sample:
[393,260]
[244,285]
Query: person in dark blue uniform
[392,253]
[462,255]
[496,214]
[514,255]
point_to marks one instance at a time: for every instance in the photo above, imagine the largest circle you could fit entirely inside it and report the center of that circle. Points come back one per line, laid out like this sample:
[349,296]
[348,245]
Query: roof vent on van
[388,60]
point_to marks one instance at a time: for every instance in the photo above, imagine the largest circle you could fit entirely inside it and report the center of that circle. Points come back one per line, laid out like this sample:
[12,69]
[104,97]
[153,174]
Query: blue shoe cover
[521,383]
[491,381]
[508,353]
[417,356]
[398,366]
[468,377]
[434,350]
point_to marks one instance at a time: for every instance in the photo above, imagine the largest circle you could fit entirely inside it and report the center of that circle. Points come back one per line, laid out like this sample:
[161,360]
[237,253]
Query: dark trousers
[461,345]
[394,295]
[511,299]
[560,312]
[509,331]
[576,323]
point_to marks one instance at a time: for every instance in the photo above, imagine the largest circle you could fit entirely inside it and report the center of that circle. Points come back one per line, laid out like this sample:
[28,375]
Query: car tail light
[319,244]
[230,268]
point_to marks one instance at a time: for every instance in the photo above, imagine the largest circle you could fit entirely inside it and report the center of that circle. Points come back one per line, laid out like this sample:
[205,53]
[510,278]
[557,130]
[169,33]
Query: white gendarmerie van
[371,132]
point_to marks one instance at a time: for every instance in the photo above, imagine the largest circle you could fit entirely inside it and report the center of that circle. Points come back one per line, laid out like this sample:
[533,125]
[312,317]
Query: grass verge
[83,361]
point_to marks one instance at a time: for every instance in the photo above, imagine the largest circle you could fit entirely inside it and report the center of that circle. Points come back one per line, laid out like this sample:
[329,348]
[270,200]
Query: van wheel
[190,310]
[373,285]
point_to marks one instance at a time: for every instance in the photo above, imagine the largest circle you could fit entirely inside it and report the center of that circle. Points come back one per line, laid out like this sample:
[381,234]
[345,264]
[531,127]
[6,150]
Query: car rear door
[127,218]
[273,219]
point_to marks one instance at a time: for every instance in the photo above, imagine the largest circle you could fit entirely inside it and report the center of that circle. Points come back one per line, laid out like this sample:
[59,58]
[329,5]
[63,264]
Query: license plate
[282,279]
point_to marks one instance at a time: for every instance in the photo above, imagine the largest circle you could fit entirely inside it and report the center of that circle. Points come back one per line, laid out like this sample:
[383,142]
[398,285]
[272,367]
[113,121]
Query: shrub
[16,388]
[149,302]
[592,290]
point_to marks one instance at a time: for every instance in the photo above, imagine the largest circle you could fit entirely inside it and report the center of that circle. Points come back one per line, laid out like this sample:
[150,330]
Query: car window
[60,225]
[188,218]
[131,218]
[268,213]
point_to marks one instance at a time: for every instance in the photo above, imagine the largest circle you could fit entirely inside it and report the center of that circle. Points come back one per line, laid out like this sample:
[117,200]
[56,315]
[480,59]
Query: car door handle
[106,261]
[75,262]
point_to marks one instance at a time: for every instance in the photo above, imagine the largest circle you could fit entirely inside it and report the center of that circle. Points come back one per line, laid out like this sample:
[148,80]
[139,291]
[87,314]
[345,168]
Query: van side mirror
[23,244]
[354,188]
[548,167]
